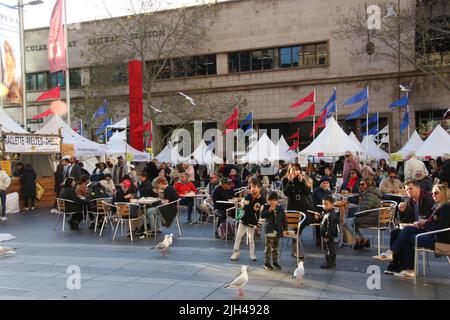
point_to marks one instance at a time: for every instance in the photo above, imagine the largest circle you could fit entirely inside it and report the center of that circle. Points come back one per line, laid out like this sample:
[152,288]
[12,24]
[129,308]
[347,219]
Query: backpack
[221,230]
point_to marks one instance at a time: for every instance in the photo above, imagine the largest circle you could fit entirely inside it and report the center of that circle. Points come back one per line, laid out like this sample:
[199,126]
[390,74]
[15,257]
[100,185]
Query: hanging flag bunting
[310,112]
[373,119]
[358,113]
[310,98]
[295,136]
[403,102]
[332,100]
[54,93]
[373,131]
[247,120]
[102,111]
[405,122]
[361,96]
[295,146]
[43,114]
[56,40]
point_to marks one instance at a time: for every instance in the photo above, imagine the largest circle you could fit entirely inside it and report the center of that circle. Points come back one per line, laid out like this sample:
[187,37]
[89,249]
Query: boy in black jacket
[328,231]
[276,225]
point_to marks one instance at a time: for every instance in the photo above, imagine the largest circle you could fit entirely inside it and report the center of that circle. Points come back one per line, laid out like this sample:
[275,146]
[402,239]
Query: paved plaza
[196,268]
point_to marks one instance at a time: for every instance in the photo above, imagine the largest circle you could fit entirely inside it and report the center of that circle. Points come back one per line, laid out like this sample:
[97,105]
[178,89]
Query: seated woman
[370,199]
[124,194]
[352,183]
[108,184]
[81,189]
[183,187]
[401,252]
[68,193]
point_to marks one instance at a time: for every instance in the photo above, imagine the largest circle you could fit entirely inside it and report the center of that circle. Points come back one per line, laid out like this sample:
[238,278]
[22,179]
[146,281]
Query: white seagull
[156,109]
[405,88]
[299,273]
[164,245]
[391,12]
[5,250]
[240,281]
[191,100]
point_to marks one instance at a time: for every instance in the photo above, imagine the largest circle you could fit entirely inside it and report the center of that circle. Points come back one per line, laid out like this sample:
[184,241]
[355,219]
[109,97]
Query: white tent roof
[374,150]
[354,138]
[203,156]
[8,124]
[264,149]
[118,145]
[437,144]
[170,155]
[283,148]
[122,124]
[413,144]
[332,142]
[83,147]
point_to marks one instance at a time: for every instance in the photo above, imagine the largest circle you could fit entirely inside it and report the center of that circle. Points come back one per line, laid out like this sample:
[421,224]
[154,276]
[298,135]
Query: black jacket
[146,190]
[70,194]
[319,194]
[227,169]
[328,226]
[252,209]
[59,178]
[426,184]
[445,173]
[426,203]
[120,194]
[152,171]
[275,221]
[28,181]
[440,219]
[75,173]
[299,195]
[220,194]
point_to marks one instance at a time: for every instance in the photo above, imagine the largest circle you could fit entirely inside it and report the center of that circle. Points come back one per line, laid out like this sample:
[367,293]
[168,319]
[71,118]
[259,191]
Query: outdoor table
[343,207]
[403,196]
[195,196]
[144,203]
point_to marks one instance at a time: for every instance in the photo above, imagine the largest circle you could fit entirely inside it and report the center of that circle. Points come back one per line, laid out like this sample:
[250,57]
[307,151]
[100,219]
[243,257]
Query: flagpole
[314,118]
[67,62]
[367,124]
[336,104]
[409,122]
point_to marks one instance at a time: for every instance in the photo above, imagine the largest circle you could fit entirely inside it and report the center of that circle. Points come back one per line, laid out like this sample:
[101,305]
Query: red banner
[56,40]
[54,93]
[136,105]
[310,98]
[43,114]
[311,111]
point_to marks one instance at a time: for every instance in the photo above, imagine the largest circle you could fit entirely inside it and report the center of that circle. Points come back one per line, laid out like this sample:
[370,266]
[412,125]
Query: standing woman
[28,180]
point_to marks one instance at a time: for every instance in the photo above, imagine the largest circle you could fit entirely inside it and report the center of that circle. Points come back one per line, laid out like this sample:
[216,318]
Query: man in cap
[224,192]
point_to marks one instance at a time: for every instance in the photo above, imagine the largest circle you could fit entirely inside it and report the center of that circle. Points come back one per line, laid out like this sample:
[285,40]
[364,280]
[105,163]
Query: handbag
[442,249]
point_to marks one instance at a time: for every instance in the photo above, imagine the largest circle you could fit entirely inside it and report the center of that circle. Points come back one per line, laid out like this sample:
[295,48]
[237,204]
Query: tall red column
[136,104]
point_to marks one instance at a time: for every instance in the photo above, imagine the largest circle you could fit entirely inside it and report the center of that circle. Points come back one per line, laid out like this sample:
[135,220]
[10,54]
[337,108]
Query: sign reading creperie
[28,143]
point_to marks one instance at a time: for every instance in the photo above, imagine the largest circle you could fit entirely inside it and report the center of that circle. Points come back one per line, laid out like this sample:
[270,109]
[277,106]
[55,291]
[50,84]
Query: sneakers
[253,257]
[405,274]
[4,219]
[392,269]
[276,266]
[54,211]
[385,256]
[235,255]
[327,265]
[268,266]
[189,221]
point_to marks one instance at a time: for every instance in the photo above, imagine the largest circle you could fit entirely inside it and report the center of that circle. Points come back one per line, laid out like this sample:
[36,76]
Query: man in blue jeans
[5,181]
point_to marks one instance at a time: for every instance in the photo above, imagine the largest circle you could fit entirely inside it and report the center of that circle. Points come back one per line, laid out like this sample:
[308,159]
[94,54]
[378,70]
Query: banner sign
[56,40]
[11,74]
[6,166]
[28,143]
[136,104]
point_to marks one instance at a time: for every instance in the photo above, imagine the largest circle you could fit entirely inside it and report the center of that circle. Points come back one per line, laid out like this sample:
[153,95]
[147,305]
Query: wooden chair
[123,214]
[100,209]
[295,220]
[211,214]
[61,206]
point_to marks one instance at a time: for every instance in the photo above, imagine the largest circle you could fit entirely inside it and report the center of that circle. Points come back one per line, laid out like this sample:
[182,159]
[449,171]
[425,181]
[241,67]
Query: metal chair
[211,214]
[109,216]
[177,203]
[314,225]
[100,209]
[123,213]
[392,205]
[424,251]
[61,205]
[295,220]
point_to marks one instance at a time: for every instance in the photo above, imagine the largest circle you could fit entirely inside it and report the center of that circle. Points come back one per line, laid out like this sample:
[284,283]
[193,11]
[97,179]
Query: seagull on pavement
[191,100]
[240,281]
[5,250]
[299,273]
[164,245]
[156,109]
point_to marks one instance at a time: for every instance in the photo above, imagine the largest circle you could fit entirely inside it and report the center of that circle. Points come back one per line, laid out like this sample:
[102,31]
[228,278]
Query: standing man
[73,170]
[119,170]
[5,181]
[350,163]
[412,166]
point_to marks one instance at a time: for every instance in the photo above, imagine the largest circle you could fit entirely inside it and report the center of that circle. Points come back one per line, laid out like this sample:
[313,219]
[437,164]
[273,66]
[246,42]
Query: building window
[120,74]
[45,80]
[37,81]
[75,78]
[58,79]
[194,66]
[289,57]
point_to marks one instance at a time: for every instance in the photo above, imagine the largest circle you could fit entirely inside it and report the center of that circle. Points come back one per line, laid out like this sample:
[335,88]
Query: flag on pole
[102,111]
[295,136]
[332,100]
[56,40]
[248,120]
[358,113]
[373,119]
[403,102]
[310,98]
[361,96]
[311,111]
[320,123]
[373,131]
[295,146]
[54,93]
[232,124]
[405,122]
[43,114]
[103,126]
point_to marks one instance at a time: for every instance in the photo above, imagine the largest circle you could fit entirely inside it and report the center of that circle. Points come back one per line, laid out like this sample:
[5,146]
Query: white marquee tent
[354,138]
[118,145]
[9,125]
[437,144]
[374,150]
[170,155]
[264,150]
[413,144]
[83,147]
[203,156]
[332,142]
[283,148]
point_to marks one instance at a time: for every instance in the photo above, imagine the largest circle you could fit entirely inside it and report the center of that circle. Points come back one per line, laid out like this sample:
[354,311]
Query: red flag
[150,139]
[43,114]
[232,119]
[135,76]
[311,111]
[311,98]
[146,127]
[54,93]
[56,40]
[294,146]
[232,127]
[295,136]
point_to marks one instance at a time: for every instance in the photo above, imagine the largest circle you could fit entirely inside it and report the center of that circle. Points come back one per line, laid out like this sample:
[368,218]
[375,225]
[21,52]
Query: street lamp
[20,6]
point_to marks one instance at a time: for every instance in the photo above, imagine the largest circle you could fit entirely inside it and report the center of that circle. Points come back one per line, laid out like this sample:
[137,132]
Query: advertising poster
[10,72]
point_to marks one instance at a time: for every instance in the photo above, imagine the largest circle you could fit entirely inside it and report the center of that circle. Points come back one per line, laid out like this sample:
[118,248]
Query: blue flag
[103,126]
[331,101]
[361,96]
[358,113]
[403,102]
[373,119]
[102,111]
[372,131]
[249,119]
[405,122]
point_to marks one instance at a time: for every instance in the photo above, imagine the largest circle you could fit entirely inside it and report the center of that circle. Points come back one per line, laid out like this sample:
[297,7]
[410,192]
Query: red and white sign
[56,40]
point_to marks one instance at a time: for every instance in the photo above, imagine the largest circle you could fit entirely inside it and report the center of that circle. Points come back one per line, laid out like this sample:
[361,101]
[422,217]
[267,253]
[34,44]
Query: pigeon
[299,273]
[156,109]
[164,245]
[191,100]
[5,250]
[240,281]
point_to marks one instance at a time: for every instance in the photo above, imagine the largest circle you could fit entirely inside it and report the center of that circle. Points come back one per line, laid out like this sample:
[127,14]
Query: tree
[155,36]
[413,37]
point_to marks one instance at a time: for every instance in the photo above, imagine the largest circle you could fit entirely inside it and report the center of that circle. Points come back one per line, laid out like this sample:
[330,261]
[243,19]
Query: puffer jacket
[370,199]
[5,181]
[299,195]
[275,221]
